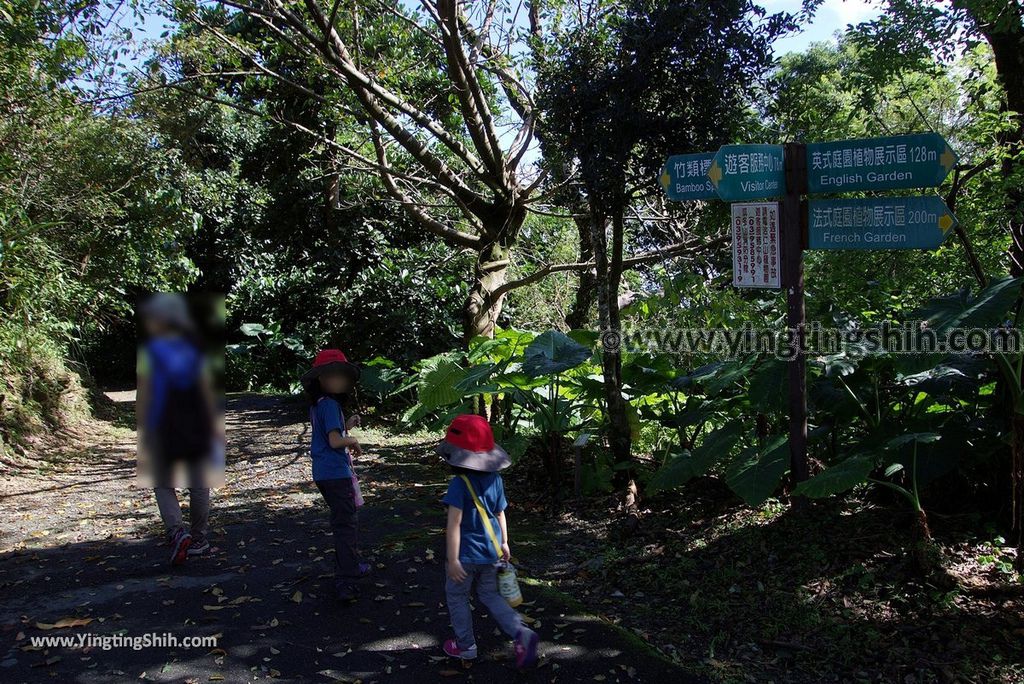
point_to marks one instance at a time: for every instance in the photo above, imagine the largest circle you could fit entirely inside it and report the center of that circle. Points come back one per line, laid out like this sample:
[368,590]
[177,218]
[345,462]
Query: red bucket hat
[329,361]
[469,444]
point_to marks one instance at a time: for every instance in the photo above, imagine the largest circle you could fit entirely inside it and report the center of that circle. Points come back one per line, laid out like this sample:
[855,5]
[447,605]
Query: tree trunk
[1006,38]
[607,286]
[1017,482]
[579,315]
[480,312]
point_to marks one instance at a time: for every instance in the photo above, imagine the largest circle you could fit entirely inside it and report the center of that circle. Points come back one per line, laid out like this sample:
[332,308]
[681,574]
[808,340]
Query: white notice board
[756,260]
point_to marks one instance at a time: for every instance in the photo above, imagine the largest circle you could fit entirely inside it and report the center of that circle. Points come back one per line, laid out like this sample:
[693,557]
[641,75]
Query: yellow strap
[483,514]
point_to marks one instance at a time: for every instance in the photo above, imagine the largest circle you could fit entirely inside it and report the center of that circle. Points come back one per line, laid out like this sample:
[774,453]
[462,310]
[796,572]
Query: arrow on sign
[685,177]
[882,223]
[715,173]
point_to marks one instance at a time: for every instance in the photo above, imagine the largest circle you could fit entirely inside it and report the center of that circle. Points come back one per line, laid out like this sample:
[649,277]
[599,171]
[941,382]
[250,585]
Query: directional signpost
[894,163]
[882,223]
[768,239]
[685,177]
[746,172]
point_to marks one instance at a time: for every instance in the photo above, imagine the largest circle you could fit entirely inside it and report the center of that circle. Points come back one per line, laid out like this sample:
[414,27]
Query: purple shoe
[451,648]
[526,648]
[180,543]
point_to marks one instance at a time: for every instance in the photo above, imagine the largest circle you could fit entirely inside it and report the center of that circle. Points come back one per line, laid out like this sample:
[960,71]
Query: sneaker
[198,547]
[452,648]
[526,648]
[180,543]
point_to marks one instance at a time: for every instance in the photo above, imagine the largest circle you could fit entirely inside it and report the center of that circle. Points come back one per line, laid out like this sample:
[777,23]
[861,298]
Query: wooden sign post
[793,242]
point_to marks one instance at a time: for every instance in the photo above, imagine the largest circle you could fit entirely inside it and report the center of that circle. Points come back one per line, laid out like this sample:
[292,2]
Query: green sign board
[685,177]
[742,172]
[878,223]
[901,161]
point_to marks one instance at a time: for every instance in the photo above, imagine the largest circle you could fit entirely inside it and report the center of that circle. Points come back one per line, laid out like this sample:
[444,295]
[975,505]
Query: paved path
[82,543]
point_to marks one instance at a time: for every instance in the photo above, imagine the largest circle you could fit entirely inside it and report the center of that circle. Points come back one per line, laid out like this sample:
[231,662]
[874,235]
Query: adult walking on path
[177,418]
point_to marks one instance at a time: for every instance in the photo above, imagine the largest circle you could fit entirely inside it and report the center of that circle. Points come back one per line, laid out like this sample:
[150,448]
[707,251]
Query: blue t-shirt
[328,463]
[476,545]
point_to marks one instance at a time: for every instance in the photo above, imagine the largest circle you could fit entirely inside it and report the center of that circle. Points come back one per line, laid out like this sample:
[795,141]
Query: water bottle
[508,586]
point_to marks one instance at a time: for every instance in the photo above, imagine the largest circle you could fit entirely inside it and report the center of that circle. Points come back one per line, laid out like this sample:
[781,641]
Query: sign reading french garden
[882,223]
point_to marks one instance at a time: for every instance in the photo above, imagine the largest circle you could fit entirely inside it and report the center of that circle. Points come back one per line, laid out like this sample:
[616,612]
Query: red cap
[470,432]
[327,356]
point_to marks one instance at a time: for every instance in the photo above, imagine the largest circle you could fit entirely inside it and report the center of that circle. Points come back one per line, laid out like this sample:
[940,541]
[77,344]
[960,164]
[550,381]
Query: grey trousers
[170,509]
[485,576]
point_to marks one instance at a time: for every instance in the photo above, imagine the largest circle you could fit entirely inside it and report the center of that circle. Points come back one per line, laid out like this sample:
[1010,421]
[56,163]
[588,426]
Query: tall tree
[626,84]
[447,115]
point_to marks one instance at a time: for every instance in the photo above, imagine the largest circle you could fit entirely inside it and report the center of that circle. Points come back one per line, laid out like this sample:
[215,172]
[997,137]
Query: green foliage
[553,352]
[680,468]
[90,211]
[756,472]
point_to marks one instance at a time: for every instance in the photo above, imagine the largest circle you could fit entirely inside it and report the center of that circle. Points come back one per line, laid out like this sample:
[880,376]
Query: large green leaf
[477,380]
[729,374]
[838,478]
[986,309]
[920,437]
[682,467]
[553,352]
[767,389]
[437,386]
[755,473]
[380,381]
[677,470]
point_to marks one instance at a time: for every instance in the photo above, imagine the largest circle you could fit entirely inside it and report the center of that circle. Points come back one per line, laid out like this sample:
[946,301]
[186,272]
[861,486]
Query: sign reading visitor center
[743,172]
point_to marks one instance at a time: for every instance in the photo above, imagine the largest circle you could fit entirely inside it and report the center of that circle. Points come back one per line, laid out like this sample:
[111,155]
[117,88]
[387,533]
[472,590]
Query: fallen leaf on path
[297,597]
[63,623]
[337,676]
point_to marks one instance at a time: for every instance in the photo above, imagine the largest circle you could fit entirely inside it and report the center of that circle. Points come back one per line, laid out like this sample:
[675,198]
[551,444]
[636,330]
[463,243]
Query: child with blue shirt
[472,557]
[331,447]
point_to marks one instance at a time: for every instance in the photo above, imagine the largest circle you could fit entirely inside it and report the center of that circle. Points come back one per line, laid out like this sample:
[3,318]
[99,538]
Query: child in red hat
[327,383]
[470,450]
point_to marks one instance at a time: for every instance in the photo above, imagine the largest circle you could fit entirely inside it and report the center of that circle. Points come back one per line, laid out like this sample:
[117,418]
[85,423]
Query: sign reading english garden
[903,161]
